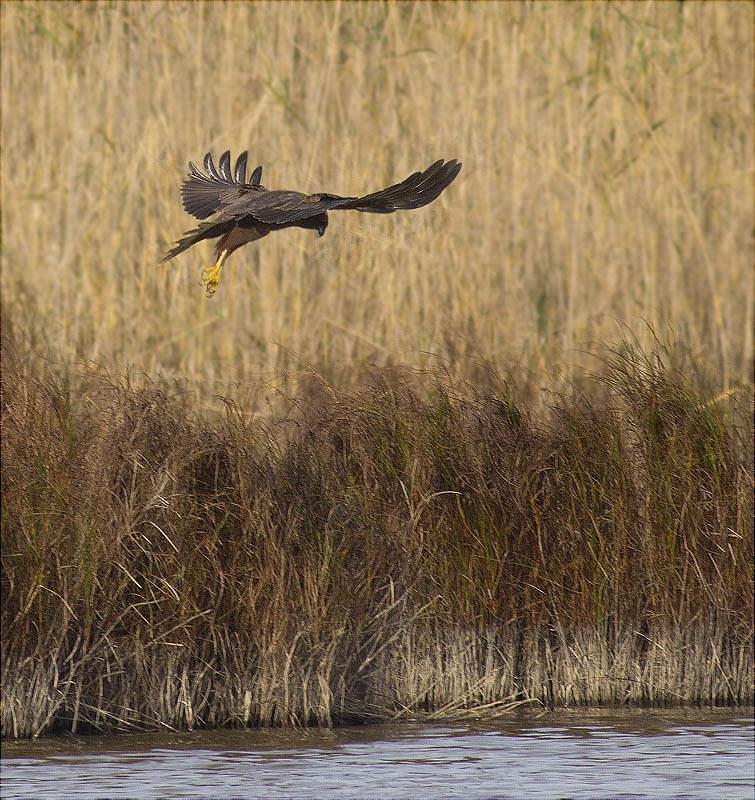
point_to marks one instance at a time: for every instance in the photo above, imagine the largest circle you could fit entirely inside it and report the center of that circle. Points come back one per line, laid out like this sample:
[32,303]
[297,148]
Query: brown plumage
[244,212]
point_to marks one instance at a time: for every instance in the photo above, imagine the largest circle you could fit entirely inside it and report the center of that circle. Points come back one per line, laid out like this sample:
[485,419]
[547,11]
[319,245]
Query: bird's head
[317,222]
[322,224]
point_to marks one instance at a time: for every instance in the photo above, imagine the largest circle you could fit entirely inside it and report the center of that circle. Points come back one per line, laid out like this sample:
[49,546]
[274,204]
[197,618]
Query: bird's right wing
[419,189]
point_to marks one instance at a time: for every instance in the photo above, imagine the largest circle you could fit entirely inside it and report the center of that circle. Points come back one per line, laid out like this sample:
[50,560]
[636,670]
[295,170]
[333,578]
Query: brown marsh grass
[608,175]
[403,549]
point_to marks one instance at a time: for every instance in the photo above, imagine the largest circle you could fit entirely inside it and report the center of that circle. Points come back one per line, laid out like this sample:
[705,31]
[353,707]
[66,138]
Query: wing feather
[240,171]
[210,167]
[193,170]
[225,167]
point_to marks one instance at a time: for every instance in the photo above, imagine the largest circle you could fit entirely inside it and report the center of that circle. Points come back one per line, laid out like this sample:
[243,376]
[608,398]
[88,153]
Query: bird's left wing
[205,194]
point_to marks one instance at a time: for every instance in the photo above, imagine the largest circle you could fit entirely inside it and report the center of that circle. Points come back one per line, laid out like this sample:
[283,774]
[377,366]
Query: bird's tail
[205,230]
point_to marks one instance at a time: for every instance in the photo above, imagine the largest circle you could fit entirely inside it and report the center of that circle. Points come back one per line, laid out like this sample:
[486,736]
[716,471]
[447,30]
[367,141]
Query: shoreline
[449,679]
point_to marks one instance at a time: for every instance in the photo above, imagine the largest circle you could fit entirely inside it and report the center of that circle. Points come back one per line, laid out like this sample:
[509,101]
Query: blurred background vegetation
[607,183]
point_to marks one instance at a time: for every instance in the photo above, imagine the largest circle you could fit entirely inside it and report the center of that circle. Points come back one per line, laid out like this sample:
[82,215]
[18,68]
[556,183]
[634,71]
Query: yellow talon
[211,275]
[210,279]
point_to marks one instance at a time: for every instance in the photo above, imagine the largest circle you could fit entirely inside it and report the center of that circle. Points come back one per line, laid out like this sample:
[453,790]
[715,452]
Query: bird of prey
[239,212]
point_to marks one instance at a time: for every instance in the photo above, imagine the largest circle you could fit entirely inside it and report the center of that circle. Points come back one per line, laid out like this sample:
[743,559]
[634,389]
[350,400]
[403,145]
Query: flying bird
[239,212]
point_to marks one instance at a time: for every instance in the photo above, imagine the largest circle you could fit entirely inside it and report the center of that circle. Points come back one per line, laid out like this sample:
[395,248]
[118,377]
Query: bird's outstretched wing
[204,195]
[419,189]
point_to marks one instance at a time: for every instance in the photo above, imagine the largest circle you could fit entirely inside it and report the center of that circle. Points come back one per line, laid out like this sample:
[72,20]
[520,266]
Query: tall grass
[608,161]
[407,548]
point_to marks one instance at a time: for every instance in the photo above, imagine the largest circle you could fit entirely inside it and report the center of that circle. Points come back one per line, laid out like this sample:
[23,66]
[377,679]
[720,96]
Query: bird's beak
[321,231]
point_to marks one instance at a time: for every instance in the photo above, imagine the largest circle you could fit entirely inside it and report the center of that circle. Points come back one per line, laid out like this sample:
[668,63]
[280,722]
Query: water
[578,754]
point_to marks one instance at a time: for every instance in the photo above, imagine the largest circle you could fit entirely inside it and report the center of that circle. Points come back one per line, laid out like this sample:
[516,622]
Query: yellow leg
[211,275]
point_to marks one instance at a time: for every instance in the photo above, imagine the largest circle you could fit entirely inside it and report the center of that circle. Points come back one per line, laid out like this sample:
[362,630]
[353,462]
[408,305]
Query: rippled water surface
[578,754]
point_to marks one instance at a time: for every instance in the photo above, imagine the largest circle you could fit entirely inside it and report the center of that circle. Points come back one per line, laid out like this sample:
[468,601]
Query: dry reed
[407,548]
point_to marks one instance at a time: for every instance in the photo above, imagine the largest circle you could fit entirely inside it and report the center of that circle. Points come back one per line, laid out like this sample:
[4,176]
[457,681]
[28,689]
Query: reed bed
[412,547]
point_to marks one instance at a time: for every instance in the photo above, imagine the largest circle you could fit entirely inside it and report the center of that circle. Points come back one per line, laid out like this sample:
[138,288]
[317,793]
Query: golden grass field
[607,182]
